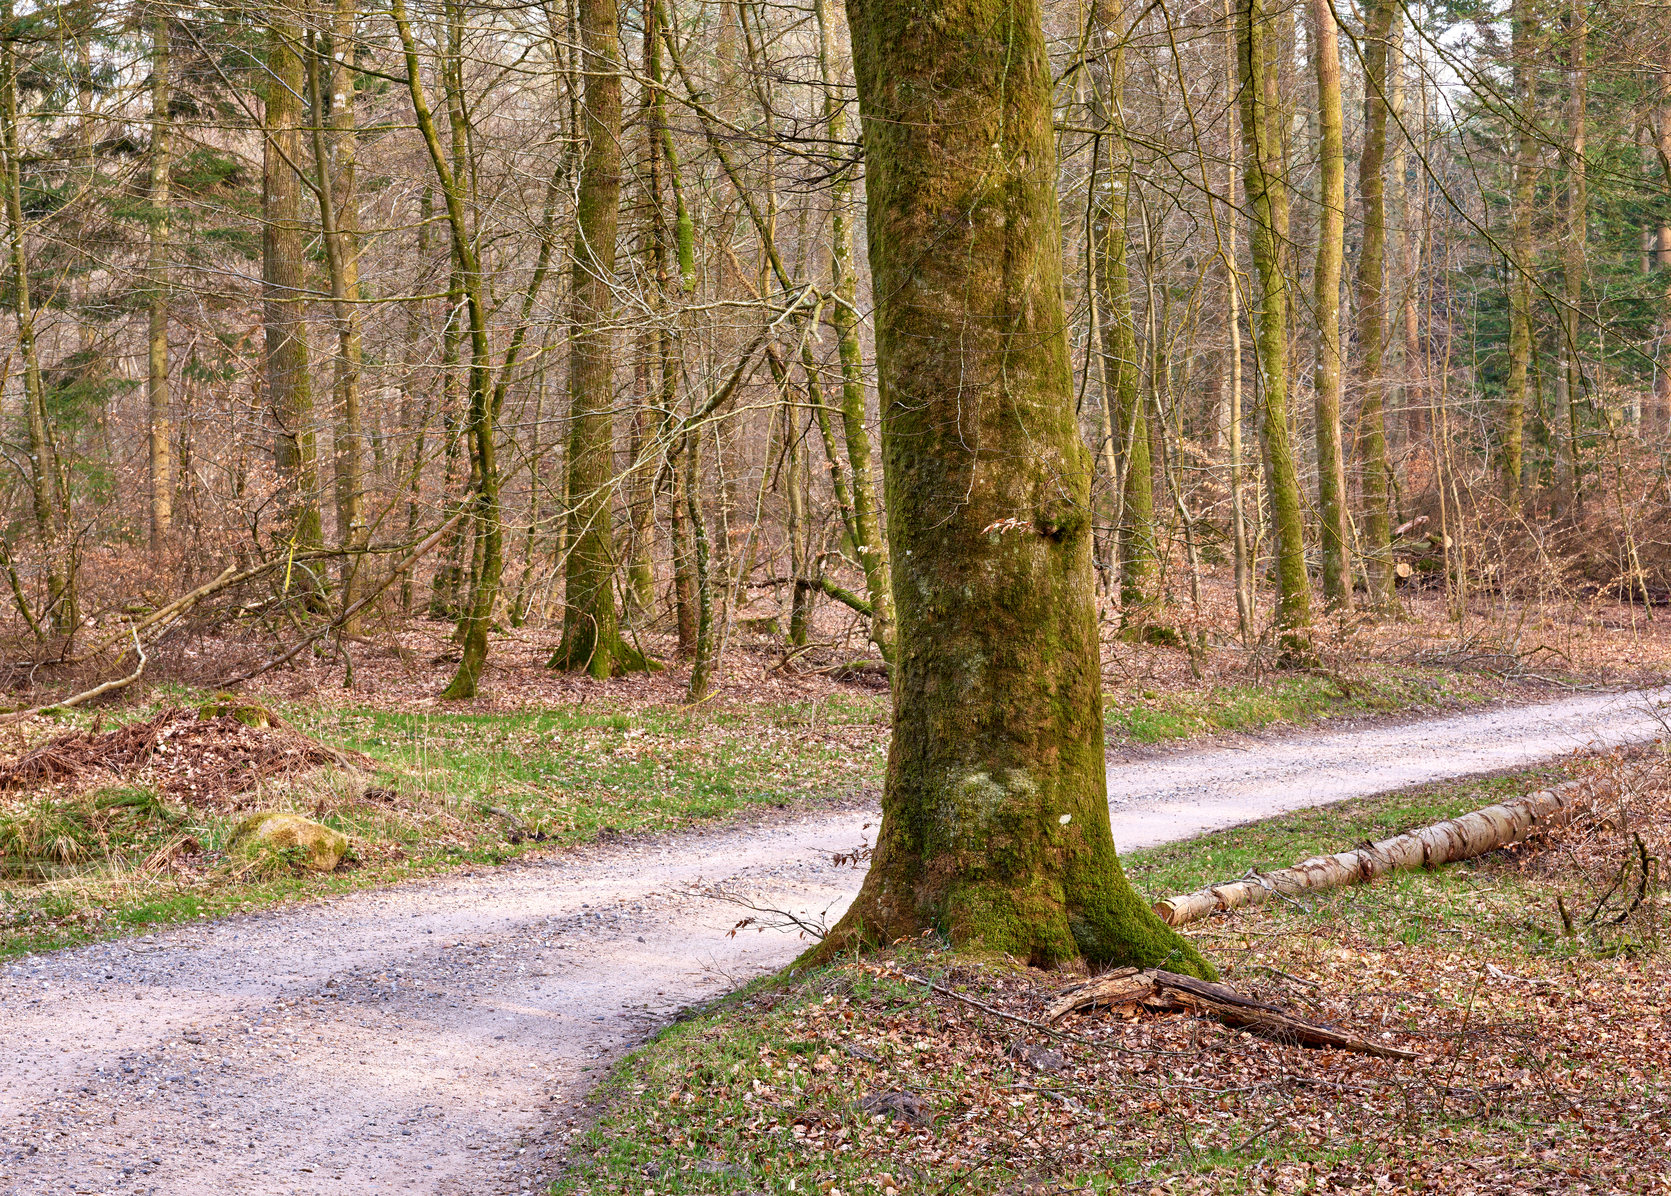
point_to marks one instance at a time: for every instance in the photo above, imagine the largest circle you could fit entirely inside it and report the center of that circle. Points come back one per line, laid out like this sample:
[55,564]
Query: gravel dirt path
[438,1037]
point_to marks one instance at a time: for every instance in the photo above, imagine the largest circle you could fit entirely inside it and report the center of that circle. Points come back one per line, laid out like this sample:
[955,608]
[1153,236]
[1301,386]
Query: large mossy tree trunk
[591,627]
[1262,172]
[995,816]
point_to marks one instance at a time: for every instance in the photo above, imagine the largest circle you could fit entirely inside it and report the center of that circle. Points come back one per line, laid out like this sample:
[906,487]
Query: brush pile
[201,759]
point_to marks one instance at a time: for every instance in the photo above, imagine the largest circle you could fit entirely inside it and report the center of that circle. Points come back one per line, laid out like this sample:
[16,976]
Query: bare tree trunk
[51,502]
[1262,182]
[675,266]
[284,282]
[869,542]
[334,145]
[1511,463]
[796,529]
[1139,555]
[159,408]
[1371,304]
[415,415]
[1661,421]
[481,426]
[1331,249]
[1569,382]
[703,645]
[591,630]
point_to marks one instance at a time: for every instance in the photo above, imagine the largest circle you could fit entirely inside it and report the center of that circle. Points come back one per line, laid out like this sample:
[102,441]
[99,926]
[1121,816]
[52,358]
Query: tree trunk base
[600,657]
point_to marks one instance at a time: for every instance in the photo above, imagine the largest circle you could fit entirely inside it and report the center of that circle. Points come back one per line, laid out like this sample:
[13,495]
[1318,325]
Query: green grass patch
[1153,716]
[568,773]
[442,790]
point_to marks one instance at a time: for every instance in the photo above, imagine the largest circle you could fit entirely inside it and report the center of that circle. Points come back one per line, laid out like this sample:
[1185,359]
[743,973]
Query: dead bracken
[200,761]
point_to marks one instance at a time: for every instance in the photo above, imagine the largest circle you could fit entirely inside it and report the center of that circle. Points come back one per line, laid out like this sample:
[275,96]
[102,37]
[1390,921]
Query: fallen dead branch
[87,695]
[1442,843]
[1155,988]
[342,618]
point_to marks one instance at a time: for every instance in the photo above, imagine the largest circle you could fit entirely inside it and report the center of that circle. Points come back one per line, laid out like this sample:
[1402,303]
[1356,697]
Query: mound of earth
[202,761]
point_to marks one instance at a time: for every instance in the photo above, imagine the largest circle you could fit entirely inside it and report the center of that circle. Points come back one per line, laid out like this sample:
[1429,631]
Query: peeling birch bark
[1442,843]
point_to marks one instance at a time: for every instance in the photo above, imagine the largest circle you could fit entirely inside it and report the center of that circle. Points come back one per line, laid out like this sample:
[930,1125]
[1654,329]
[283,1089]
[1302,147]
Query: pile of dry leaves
[196,760]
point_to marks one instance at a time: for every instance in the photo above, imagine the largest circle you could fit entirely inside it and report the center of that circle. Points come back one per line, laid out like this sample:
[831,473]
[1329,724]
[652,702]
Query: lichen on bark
[995,817]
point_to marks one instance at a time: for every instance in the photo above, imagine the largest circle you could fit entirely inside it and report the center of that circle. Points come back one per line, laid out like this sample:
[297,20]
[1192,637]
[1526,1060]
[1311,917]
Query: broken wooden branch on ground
[1155,988]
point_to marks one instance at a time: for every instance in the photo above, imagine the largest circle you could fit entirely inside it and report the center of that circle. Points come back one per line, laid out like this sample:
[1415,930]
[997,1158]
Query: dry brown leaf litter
[203,762]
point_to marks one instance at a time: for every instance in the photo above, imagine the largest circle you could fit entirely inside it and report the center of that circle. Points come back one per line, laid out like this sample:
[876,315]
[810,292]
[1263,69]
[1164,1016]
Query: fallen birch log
[1442,843]
[1158,989]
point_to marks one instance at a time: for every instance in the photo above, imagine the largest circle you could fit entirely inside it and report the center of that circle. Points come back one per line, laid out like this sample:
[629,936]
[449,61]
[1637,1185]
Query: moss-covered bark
[868,539]
[591,631]
[451,172]
[1331,241]
[1262,171]
[995,817]
[284,283]
[1372,314]
[1139,553]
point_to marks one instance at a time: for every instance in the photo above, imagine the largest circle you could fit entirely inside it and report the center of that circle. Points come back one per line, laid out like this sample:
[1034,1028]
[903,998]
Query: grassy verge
[1153,716]
[439,791]
[442,790]
[1543,1063]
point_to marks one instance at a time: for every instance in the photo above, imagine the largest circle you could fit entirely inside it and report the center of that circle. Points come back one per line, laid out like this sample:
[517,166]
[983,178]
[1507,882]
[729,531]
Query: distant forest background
[557,314]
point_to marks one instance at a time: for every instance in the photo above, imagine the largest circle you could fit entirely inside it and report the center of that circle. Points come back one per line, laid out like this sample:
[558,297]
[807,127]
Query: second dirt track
[436,1037]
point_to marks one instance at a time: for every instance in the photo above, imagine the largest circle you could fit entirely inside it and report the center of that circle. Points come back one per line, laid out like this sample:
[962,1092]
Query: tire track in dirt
[437,1037]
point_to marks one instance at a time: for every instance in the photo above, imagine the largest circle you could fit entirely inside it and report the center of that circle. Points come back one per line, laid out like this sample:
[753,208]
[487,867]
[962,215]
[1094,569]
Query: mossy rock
[248,713]
[316,845]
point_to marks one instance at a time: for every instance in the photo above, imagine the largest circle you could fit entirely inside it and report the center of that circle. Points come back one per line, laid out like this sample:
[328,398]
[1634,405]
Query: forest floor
[102,843]
[441,1035]
[1531,985]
